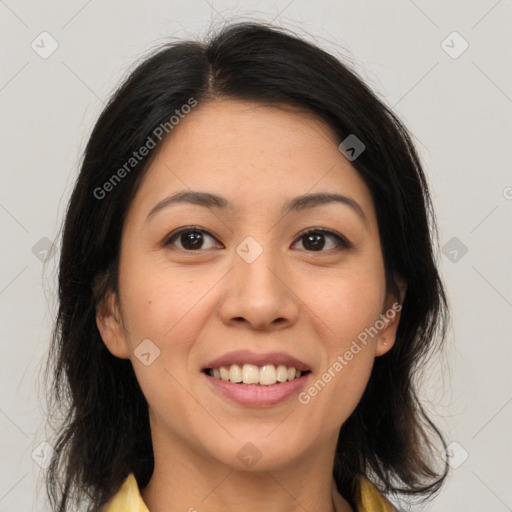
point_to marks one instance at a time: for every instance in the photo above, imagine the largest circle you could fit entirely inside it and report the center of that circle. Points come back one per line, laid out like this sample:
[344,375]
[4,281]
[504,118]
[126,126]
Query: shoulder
[127,499]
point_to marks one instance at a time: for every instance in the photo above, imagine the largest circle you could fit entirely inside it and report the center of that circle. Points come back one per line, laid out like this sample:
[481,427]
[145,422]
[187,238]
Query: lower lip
[257,396]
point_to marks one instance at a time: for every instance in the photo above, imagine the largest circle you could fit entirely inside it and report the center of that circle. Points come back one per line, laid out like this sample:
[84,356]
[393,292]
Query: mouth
[254,375]
[256,380]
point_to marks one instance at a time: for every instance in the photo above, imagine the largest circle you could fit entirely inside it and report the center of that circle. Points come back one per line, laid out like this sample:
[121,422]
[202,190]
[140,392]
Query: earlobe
[110,327]
[391,319]
[387,335]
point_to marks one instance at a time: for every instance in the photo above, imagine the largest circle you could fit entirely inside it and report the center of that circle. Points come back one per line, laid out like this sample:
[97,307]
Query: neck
[183,479]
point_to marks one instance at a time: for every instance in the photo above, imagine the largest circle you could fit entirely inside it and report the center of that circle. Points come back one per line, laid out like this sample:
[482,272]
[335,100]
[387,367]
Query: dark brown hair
[105,434]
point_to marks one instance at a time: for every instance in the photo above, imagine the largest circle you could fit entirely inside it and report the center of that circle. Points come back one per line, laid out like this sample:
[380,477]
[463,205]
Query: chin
[256,450]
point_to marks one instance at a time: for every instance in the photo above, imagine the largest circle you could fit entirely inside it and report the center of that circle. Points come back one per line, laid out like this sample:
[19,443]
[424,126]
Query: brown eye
[315,240]
[190,239]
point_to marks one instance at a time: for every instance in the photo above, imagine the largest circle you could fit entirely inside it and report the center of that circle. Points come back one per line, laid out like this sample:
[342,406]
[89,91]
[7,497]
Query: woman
[247,289]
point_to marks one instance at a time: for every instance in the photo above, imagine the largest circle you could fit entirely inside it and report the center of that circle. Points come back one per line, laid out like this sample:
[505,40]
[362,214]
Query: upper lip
[241,357]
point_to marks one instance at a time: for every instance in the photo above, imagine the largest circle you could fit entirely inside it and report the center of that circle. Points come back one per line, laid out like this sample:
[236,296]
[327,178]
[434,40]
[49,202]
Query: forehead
[232,128]
[253,153]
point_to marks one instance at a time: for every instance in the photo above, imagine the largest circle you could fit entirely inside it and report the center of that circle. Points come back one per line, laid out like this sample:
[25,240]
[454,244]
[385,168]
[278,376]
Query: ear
[108,320]
[390,317]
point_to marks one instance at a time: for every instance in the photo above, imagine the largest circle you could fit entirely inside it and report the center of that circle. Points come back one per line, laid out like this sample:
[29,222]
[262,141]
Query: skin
[199,304]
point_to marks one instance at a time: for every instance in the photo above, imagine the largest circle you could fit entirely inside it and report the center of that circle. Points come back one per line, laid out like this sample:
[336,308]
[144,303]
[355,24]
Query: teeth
[235,373]
[266,375]
[282,373]
[250,374]
[224,373]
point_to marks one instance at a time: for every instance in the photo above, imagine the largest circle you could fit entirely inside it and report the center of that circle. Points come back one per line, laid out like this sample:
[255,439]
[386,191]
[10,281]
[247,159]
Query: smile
[256,379]
[251,374]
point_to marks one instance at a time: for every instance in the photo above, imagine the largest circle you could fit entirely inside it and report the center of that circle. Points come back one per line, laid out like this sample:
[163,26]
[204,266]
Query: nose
[258,295]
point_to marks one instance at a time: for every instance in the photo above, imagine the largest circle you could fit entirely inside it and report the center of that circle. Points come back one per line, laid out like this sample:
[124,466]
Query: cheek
[166,310]
[344,304]
[170,309]
[338,385]
[157,302]
[348,387]
[346,307]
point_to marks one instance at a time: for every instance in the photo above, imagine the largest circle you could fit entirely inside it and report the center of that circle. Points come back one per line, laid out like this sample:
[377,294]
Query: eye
[191,239]
[314,240]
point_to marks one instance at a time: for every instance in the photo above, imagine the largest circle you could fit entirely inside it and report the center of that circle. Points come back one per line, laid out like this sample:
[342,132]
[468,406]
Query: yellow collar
[370,500]
[128,498]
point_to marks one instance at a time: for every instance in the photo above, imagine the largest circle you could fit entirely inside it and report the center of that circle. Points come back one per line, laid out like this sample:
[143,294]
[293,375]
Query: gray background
[456,104]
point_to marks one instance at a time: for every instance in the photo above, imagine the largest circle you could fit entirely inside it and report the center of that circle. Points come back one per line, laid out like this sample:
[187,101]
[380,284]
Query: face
[254,277]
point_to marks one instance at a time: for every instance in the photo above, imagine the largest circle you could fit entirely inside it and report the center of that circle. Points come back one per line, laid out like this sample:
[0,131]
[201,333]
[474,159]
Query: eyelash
[343,243]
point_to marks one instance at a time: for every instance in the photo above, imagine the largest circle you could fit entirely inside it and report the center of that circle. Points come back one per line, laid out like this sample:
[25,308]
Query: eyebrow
[296,204]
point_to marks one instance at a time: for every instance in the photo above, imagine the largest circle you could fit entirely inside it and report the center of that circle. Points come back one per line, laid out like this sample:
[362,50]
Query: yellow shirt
[128,499]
